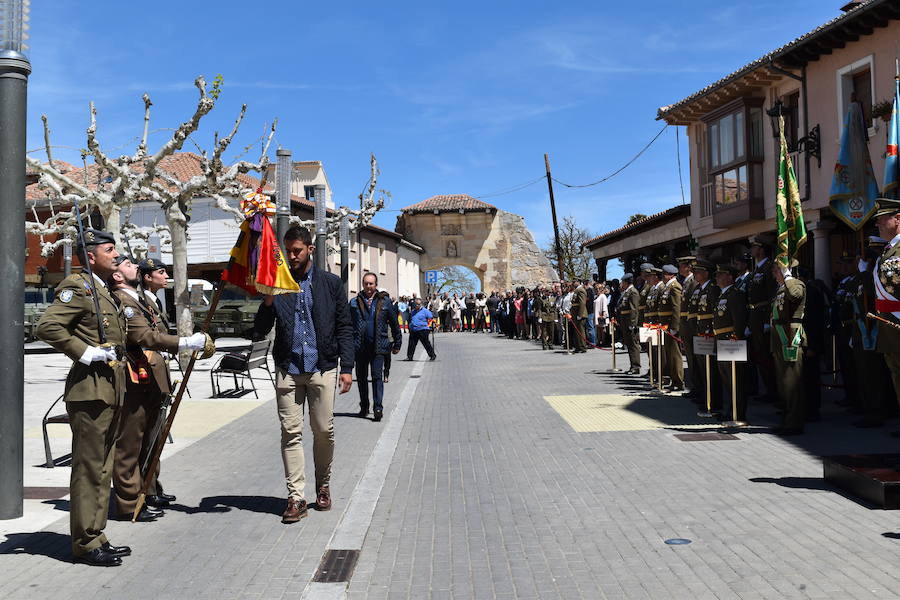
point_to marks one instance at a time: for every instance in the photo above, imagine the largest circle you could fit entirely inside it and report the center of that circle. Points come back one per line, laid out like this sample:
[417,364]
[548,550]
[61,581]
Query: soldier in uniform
[669,313]
[94,391]
[652,284]
[886,279]
[787,342]
[743,262]
[686,327]
[729,323]
[628,321]
[147,384]
[703,301]
[548,317]
[875,396]
[760,291]
[579,314]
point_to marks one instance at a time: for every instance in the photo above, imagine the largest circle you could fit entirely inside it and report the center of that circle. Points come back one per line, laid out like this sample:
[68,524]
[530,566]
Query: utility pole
[345,250]
[559,256]
[14,71]
[282,194]
[321,229]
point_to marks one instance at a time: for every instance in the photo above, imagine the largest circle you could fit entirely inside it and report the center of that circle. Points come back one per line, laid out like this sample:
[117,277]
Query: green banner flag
[788,212]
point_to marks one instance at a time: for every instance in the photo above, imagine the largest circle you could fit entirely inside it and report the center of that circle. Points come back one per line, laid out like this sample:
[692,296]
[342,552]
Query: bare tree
[576,262]
[456,280]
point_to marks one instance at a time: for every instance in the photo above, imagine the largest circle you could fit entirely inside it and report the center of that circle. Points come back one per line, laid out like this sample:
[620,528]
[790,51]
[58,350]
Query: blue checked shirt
[304,353]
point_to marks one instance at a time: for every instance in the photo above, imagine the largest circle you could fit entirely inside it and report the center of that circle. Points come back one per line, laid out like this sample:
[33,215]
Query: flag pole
[160,441]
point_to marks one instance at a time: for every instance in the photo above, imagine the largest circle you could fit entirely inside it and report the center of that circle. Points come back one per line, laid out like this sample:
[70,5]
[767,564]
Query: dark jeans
[367,361]
[419,336]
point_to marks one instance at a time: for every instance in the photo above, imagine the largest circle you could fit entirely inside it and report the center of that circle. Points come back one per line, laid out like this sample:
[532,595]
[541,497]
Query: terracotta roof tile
[448,203]
[635,226]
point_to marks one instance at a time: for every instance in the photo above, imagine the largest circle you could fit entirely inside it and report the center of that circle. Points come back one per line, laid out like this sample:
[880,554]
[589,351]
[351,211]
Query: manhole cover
[678,541]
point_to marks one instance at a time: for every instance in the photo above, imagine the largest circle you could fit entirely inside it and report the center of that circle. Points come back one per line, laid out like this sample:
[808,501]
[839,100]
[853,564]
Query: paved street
[514,473]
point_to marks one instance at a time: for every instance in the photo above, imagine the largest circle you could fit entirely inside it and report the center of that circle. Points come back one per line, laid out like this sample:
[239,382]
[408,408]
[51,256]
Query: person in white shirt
[601,313]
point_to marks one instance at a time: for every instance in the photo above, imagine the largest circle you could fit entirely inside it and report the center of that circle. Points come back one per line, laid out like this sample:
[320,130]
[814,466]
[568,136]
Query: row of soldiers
[752,299]
[108,320]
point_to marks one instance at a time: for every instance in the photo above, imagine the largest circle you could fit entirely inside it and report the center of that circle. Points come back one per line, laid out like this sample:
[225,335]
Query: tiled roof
[448,203]
[810,38]
[682,210]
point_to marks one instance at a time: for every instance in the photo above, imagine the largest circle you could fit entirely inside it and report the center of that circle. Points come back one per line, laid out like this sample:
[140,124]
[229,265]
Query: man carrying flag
[313,331]
[788,306]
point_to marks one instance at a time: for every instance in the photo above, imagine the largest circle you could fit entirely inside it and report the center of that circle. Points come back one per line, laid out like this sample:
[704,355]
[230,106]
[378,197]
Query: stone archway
[460,230]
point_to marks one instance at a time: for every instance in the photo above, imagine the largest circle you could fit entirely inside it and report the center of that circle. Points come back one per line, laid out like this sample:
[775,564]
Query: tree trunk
[111,214]
[178,233]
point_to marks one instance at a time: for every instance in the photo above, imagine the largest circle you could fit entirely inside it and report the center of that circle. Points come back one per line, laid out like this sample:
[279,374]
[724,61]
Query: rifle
[101,330]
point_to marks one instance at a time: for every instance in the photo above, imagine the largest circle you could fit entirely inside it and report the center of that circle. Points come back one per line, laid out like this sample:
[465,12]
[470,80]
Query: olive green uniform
[729,323]
[549,316]
[669,314]
[93,395]
[760,291]
[888,273]
[686,329]
[579,314]
[787,319]
[705,299]
[147,330]
[651,317]
[628,313]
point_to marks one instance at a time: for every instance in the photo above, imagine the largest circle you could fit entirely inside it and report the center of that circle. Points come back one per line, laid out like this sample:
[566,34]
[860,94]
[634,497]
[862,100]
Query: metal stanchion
[612,332]
[734,418]
[659,353]
[708,413]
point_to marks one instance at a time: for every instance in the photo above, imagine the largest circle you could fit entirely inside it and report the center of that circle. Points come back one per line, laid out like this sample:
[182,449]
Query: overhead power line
[620,169]
[512,189]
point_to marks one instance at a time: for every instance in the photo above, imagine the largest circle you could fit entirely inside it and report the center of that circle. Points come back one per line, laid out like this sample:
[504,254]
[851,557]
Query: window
[364,255]
[309,191]
[382,260]
[855,83]
[791,112]
[733,171]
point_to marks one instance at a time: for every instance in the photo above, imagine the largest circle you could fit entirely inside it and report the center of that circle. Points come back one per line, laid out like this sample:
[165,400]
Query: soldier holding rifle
[147,386]
[86,323]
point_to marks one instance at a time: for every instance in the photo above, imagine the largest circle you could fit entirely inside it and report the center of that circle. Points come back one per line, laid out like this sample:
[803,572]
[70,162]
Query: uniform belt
[886,305]
[723,330]
[625,312]
[664,313]
[704,316]
[759,304]
[690,315]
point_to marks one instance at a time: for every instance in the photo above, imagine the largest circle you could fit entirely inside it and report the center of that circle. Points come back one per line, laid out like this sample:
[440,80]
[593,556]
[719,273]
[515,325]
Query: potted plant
[883,109]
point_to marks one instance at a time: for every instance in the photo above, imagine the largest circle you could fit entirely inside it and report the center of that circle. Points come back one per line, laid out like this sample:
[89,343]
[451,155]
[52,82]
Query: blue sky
[462,97]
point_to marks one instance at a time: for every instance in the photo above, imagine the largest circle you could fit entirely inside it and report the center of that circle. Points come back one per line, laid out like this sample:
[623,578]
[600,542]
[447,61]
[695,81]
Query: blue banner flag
[853,186]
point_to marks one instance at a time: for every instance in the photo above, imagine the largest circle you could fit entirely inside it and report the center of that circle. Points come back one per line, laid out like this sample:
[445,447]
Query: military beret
[94,237]
[627,277]
[744,258]
[148,265]
[657,271]
[705,265]
[647,268]
[757,240]
[686,259]
[729,269]
[122,258]
[670,269]
[874,240]
[886,206]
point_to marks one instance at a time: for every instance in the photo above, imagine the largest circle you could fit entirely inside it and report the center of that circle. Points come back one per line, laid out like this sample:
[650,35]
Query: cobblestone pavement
[518,474]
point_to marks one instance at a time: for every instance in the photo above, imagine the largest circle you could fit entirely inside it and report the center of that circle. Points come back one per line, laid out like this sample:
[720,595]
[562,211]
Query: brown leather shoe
[296,510]
[323,498]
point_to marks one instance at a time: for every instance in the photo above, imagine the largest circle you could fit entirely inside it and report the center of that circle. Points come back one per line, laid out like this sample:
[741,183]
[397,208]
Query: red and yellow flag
[257,263]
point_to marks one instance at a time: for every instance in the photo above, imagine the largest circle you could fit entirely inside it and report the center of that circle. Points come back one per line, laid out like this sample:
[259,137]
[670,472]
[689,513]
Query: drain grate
[45,493]
[336,566]
[705,437]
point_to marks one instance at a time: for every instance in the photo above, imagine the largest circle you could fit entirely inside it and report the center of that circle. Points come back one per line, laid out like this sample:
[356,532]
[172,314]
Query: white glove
[94,354]
[540,320]
[195,342]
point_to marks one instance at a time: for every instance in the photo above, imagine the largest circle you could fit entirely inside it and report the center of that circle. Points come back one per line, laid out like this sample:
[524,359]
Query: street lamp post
[321,229]
[345,249]
[282,194]
[14,71]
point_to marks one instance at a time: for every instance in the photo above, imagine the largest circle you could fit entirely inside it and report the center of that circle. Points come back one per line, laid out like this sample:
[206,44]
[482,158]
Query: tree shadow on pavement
[40,543]
[817,484]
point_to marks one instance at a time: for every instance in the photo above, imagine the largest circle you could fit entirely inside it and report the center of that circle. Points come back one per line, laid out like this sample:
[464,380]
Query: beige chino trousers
[292,392]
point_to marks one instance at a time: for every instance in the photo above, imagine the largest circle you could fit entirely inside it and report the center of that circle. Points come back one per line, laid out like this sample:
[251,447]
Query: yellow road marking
[615,412]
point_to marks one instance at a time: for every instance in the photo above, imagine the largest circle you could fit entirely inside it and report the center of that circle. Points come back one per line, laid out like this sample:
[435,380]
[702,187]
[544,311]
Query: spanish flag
[257,264]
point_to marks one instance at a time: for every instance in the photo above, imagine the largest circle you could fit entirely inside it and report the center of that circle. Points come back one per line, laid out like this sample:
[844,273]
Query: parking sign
[431,276]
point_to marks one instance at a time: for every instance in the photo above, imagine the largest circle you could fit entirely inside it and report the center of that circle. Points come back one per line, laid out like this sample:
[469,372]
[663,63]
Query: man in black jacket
[312,330]
[373,313]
